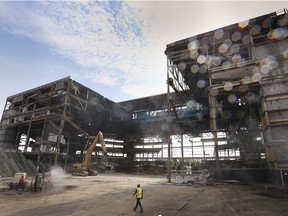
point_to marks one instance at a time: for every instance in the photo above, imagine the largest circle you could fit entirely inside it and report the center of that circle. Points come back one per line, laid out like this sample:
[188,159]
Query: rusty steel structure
[226,105]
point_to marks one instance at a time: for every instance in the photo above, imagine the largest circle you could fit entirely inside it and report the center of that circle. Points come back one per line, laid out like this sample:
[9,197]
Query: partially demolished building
[53,122]
[239,73]
[226,105]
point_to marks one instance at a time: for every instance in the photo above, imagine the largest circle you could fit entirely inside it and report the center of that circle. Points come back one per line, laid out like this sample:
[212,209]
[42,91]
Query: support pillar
[213,126]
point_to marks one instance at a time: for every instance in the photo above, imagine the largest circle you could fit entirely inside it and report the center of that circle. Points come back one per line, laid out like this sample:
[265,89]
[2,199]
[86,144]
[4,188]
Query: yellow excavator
[84,168]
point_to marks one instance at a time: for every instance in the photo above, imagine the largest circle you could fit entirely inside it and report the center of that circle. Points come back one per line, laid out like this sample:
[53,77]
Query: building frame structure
[239,73]
[225,105]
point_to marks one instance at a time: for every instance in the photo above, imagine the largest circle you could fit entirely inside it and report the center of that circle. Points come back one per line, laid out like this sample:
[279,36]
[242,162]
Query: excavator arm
[84,167]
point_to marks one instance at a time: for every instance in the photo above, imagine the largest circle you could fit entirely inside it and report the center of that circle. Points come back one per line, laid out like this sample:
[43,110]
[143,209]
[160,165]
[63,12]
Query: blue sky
[116,48]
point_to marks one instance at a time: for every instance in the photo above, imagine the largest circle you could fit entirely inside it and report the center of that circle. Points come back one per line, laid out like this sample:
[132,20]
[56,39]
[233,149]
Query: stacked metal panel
[274,110]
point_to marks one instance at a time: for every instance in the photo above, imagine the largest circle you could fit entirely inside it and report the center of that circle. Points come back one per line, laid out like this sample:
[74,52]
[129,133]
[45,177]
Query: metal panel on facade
[275,105]
[279,150]
[274,89]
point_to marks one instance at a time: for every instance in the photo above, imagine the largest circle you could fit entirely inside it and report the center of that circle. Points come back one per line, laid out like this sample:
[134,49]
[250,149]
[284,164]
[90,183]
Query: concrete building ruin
[226,105]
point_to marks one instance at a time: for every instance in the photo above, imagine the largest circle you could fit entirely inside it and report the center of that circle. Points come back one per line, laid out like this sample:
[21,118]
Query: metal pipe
[168,126]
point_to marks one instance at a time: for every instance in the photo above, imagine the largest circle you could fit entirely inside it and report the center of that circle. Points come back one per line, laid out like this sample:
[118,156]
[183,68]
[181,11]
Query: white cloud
[103,76]
[122,44]
[110,41]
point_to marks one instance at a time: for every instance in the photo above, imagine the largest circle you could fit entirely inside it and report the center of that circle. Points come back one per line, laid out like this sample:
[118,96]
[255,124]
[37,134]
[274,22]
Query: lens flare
[203,69]
[283,21]
[194,68]
[204,48]
[208,60]
[256,77]
[228,86]
[243,88]
[217,61]
[264,69]
[236,58]
[243,24]
[246,39]
[235,48]
[193,54]
[251,97]
[193,45]
[201,84]
[205,41]
[201,59]
[232,99]
[255,29]
[245,80]
[268,64]
[182,66]
[228,42]
[223,48]
[226,64]
[236,36]
[218,33]
[241,63]
[214,92]
[191,104]
[278,34]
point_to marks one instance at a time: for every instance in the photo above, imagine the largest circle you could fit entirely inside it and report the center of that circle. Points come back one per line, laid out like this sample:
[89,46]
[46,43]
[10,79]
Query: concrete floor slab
[110,194]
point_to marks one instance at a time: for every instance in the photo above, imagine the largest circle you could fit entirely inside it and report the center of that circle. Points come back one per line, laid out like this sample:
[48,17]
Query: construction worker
[139,196]
[22,183]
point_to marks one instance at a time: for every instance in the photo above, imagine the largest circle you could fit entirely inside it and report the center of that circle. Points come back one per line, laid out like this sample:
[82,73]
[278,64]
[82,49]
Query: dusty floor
[110,194]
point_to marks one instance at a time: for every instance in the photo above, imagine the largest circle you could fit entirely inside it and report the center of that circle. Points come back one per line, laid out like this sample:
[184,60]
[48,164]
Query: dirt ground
[110,194]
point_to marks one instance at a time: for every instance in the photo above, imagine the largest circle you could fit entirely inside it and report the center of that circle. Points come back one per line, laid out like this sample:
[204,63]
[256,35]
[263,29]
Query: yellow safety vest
[139,192]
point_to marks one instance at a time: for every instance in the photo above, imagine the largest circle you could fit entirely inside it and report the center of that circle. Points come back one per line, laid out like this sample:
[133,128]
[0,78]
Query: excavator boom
[84,167]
